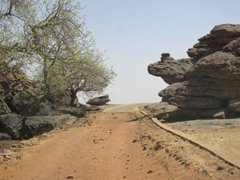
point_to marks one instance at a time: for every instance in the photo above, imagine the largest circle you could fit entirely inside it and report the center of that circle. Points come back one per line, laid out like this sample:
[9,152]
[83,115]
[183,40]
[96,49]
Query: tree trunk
[73,96]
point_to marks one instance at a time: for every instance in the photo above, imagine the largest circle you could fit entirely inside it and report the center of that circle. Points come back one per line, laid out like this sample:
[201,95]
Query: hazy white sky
[135,33]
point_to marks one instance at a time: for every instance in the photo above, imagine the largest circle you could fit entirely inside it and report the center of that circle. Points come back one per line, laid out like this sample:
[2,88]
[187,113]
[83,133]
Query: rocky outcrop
[11,124]
[4,109]
[209,86]
[35,125]
[24,109]
[219,37]
[233,47]
[45,109]
[170,70]
[27,103]
[78,112]
[19,127]
[161,110]
[24,114]
[101,100]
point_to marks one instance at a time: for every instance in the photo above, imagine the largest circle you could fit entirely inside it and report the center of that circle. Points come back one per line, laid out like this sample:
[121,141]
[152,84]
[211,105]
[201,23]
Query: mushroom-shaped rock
[170,71]
[207,85]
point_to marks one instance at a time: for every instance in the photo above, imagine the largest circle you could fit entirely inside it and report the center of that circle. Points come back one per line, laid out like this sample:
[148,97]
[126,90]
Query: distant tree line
[49,38]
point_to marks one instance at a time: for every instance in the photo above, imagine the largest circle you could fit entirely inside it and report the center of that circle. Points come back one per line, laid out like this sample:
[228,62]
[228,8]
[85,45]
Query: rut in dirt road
[114,146]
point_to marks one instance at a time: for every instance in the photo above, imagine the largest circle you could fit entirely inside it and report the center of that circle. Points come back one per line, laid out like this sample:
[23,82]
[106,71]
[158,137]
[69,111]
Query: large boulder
[45,109]
[210,86]
[162,110]
[35,125]
[11,124]
[234,104]
[101,100]
[19,127]
[4,109]
[78,112]
[23,102]
[27,103]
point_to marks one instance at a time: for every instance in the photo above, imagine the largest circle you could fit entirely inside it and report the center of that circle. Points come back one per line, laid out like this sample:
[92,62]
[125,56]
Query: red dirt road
[113,146]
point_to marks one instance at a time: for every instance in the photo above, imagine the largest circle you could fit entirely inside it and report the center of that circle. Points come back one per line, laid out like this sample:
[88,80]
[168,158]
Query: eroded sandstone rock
[233,47]
[219,37]
[171,70]
[208,86]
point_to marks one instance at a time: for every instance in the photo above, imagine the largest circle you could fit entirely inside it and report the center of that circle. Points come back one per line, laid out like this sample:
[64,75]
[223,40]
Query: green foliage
[50,38]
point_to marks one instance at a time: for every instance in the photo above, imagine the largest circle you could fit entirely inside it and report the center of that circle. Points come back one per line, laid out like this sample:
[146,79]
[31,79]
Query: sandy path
[115,146]
[101,151]
[124,108]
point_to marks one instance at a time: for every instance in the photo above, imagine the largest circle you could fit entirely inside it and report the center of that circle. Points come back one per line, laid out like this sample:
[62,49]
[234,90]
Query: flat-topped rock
[101,100]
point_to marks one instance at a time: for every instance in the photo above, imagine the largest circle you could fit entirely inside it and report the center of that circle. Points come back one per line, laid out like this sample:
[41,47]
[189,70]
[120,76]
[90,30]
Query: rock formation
[35,125]
[11,124]
[19,127]
[26,103]
[206,85]
[24,112]
[170,70]
[78,112]
[101,100]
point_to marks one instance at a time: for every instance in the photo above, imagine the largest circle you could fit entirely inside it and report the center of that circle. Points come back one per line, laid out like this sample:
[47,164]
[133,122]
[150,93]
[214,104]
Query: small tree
[55,37]
[92,77]
[87,73]
[50,35]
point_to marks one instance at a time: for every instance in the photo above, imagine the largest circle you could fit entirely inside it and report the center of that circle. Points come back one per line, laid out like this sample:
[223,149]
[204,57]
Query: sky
[135,33]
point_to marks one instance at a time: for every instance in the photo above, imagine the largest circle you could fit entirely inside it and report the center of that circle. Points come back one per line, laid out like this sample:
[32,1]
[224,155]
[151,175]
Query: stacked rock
[206,85]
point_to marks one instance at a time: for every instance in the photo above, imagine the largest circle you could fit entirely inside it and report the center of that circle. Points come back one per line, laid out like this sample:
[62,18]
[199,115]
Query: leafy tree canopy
[50,38]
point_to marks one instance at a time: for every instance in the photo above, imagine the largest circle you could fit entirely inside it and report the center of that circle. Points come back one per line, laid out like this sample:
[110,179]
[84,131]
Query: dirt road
[113,146]
[124,108]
